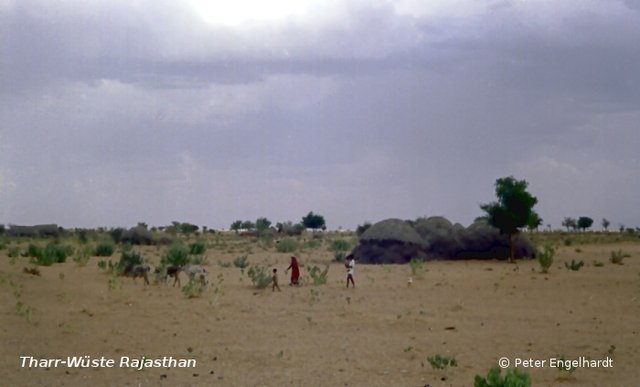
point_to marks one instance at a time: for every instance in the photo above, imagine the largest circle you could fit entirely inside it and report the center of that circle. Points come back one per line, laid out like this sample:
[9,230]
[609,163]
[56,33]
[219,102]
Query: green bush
[241,262]
[14,252]
[441,362]
[105,248]
[260,276]
[128,258]
[197,248]
[574,265]
[193,289]
[618,256]
[417,266]
[339,245]
[318,275]
[52,253]
[287,245]
[176,255]
[545,257]
[83,255]
[313,244]
[339,256]
[512,378]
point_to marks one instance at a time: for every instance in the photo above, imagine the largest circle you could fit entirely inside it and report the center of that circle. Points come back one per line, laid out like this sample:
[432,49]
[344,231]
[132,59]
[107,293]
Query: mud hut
[390,241]
[441,237]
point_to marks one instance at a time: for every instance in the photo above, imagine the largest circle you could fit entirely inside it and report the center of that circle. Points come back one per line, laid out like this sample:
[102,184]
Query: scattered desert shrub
[574,265]
[340,245]
[568,241]
[618,256]
[318,275]
[512,378]
[52,253]
[441,362]
[417,266]
[82,256]
[339,256]
[193,289]
[197,248]
[105,248]
[177,255]
[545,257]
[31,270]
[199,260]
[128,258]
[14,252]
[241,262]
[287,245]
[259,275]
[313,244]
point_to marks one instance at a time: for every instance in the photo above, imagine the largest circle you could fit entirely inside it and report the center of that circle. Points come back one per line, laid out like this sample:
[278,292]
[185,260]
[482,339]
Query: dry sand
[379,334]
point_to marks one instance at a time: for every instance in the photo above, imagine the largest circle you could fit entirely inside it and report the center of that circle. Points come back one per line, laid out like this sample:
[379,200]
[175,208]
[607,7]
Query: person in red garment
[295,271]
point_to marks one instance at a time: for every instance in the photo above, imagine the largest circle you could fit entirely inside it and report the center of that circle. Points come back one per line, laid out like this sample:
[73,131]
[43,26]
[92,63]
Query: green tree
[584,222]
[570,223]
[262,224]
[313,221]
[605,224]
[248,225]
[536,221]
[513,210]
[235,226]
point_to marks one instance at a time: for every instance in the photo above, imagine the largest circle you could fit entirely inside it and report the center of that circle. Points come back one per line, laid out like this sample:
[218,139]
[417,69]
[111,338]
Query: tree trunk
[510,248]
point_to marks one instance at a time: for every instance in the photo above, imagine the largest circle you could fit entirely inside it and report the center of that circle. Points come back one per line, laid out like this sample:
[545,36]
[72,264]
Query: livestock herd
[162,274]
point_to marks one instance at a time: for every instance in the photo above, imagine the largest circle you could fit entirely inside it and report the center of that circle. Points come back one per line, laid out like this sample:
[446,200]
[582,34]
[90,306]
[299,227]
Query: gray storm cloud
[118,112]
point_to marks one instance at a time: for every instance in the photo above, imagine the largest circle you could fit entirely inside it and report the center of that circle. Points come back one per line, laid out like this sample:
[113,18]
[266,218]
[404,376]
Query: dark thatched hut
[398,241]
[389,241]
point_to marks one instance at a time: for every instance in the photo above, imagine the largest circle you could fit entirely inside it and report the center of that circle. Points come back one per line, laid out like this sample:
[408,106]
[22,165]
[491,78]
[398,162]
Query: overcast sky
[114,112]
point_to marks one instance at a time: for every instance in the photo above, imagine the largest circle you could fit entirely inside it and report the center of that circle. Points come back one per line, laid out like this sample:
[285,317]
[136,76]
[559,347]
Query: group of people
[349,264]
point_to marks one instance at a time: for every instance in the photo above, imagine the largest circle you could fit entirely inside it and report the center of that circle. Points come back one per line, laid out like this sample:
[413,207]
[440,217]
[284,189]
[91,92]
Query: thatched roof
[393,230]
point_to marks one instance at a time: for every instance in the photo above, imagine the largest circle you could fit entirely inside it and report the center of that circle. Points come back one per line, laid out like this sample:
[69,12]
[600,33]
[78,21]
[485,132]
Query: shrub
[193,289]
[417,266]
[441,362]
[128,258]
[340,245]
[574,265]
[545,257]
[82,256]
[313,244]
[197,248]
[287,245]
[14,252]
[259,276]
[339,256]
[52,253]
[318,275]
[241,262]
[176,255]
[105,248]
[618,256]
[512,378]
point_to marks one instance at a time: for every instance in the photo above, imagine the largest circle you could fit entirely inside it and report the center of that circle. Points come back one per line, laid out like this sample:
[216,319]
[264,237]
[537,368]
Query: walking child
[350,264]
[274,280]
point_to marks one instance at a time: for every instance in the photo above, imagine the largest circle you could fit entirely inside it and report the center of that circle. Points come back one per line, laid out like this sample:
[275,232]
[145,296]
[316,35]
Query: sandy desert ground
[379,334]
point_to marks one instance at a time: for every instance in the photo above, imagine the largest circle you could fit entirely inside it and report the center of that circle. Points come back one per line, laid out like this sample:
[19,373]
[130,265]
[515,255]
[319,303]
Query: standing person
[295,271]
[274,280]
[350,264]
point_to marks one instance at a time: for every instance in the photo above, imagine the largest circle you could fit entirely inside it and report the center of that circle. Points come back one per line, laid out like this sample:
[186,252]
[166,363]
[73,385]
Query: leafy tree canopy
[313,221]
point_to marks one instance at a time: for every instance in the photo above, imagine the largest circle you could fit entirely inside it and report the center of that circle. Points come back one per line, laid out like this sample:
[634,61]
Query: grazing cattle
[174,272]
[136,271]
[195,272]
